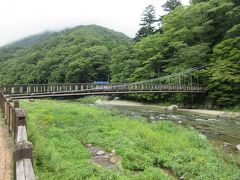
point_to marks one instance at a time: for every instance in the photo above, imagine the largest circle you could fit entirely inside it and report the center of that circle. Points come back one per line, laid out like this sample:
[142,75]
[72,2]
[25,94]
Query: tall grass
[60,129]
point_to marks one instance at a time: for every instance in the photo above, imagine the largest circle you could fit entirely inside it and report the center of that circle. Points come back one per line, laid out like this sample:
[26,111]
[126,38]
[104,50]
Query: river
[223,132]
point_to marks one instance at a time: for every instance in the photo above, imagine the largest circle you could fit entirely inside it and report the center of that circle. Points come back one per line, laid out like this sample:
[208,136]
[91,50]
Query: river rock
[152,118]
[160,118]
[238,147]
[105,156]
[181,178]
[224,115]
[98,101]
[99,153]
[172,108]
[174,117]
[226,144]
[162,115]
[237,123]
[201,136]
[31,100]
[179,122]
[113,151]
[113,160]
[236,115]
[89,145]
[199,119]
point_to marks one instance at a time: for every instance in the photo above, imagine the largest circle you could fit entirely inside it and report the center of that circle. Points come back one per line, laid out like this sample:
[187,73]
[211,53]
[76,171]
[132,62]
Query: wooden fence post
[16,106]
[22,152]
[22,156]
[20,120]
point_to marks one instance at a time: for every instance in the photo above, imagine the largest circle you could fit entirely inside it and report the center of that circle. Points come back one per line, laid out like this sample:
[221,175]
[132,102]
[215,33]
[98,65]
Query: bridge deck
[57,90]
[57,94]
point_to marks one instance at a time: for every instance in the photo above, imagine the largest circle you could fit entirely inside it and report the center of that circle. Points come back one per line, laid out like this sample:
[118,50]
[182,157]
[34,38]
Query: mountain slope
[80,54]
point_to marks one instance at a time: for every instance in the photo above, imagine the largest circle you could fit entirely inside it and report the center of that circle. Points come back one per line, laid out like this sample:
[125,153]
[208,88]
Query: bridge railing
[43,88]
[90,87]
[15,118]
[156,87]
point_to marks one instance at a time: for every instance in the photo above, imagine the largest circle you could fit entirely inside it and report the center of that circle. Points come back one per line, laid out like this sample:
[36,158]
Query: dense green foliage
[81,54]
[224,72]
[59,131]
[204,33]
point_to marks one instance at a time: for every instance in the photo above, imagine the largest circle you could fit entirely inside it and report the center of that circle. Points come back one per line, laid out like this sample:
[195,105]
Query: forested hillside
[81,54]
[204,33]
[207,32]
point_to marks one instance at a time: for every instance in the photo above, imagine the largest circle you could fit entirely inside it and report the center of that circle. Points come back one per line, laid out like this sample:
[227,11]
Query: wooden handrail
[15,118]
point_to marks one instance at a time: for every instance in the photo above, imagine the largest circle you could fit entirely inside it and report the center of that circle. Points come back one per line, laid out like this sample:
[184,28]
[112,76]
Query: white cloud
[21,18]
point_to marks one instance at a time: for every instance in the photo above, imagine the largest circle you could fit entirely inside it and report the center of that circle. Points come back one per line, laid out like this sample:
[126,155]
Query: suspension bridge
[15,118]
[186,81]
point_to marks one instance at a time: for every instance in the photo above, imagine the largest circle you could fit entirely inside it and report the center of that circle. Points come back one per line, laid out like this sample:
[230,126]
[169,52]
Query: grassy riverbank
[60,130]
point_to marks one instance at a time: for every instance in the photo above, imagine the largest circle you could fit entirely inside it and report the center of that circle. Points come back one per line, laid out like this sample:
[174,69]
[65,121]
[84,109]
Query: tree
[224,73]
[122,64]
[79,71]
[99,58]
[170,5]
[233,33]
[197,1]
[148,57]
[147,23]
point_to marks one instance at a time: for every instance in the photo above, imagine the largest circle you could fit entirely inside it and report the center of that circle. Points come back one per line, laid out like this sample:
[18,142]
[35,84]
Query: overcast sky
[21,18]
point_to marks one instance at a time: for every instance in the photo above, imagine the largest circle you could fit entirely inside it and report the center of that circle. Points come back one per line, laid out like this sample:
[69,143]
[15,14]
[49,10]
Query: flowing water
[222,132]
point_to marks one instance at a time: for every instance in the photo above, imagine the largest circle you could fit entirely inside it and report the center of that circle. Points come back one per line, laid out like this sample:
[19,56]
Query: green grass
[60,129]
[234,109]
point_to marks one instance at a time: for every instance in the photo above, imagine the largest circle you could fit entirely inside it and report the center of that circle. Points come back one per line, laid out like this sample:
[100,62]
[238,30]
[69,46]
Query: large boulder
[172,108]
[238,147]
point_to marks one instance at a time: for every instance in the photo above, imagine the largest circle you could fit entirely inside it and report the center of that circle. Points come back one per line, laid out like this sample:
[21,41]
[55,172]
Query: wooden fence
[15,118]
